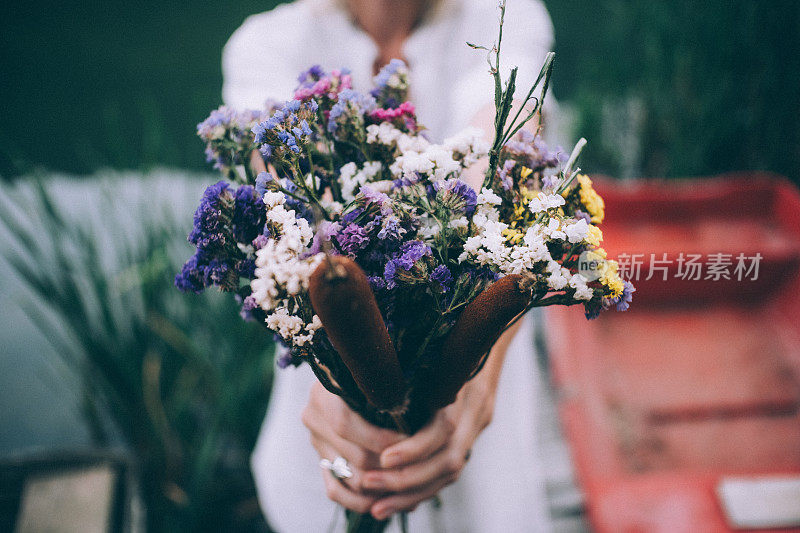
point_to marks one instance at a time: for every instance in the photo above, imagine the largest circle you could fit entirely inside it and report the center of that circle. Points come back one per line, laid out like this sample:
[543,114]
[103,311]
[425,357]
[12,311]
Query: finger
[327,411]
[355,429]
[355,483]
[330,452]
[322,434]
[407,501]
[357,456]
[422,444]
[447,464]
[341,494]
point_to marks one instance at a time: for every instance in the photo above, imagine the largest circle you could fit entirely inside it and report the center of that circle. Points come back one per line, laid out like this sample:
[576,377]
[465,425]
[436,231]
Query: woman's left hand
[418,467]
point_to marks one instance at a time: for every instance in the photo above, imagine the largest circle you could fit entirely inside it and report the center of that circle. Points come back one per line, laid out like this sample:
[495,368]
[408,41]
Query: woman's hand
[338,431]
[418,467]
[393,472]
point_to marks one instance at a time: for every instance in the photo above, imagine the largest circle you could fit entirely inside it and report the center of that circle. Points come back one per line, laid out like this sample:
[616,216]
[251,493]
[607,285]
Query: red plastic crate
[700,379]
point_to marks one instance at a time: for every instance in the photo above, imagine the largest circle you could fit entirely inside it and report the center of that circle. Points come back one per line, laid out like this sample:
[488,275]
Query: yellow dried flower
[611,280]
[592,202]
[513,236]
[594,236]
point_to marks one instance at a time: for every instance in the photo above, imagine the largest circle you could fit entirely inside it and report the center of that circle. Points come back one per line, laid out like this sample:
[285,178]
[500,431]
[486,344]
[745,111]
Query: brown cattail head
[343,300]
[477,329]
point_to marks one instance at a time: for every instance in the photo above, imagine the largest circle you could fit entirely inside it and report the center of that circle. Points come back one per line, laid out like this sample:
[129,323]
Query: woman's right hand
[336,430]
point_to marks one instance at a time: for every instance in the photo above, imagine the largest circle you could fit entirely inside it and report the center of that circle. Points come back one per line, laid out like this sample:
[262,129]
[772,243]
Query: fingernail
[391,459]
[373,481]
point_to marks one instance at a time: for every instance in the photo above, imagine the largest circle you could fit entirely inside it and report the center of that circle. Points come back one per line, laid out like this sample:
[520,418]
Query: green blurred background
[685,88]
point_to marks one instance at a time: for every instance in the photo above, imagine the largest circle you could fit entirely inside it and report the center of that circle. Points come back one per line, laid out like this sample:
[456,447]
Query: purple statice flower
[218,272]
[262,180]
[623,301]
[248,305]
[309,77]
[391,84]
[391,229]
[192,276]
[228,136]
[325,231]
[316,83]
[581,215]
[504,174]
[223,220]
[627,296]
[531,150]
[286,130]
[441,275]
[217,123]
[350,110]
[352,239]
[371,196]
[550,182]
[402,266]
[203,270]
[406,181]
[457,195]
[377,283]
[249,214]
[351,215]
[261,240]
[212,216]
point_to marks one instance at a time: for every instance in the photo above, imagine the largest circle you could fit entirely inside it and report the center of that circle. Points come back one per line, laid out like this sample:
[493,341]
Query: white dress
[501,489]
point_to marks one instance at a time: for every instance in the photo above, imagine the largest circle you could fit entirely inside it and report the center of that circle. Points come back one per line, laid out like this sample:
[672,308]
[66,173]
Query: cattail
[477,329]
[343,300]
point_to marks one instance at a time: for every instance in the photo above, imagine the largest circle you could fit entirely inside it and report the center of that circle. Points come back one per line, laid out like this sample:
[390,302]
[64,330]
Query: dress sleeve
[527,38]
[256,60]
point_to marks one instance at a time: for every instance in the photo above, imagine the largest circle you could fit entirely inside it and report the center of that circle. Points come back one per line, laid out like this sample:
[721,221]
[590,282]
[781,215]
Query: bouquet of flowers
[370,258]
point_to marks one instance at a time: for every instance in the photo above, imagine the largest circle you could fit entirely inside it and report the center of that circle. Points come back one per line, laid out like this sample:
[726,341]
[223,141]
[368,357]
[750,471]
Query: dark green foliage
[714,86]
[708,86]
[89,84]
[180,381]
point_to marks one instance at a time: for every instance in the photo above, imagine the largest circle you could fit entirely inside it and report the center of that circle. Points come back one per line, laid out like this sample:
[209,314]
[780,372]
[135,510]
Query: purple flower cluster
[505,174]
[623,301]
[405,265]
[391,229]
[217,122]
[223,220]
[286,130]
[457,196]
[370,196]
[352,239]
[350,110]
[441,275]
[262,182]
[391,84]
[326,230]
[533,152]
[212,217]
[580,215]
[249,214]
[228,136]
[315,83]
